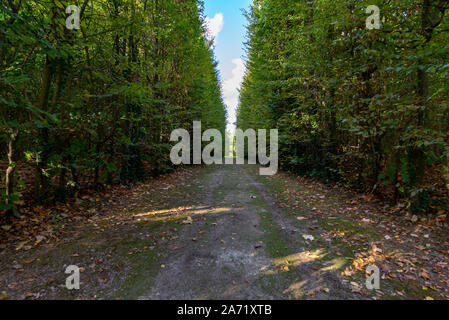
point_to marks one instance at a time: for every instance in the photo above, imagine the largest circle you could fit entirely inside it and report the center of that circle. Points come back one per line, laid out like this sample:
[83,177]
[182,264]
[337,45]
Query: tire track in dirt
[224,262]
[315,277]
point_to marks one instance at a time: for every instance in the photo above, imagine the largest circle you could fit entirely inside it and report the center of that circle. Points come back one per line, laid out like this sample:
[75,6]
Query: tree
[89,104]
[366,107]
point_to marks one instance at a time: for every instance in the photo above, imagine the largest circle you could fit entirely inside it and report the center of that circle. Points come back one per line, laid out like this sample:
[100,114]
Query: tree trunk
[416,155]
[445,175]
[11,168]
[41,183]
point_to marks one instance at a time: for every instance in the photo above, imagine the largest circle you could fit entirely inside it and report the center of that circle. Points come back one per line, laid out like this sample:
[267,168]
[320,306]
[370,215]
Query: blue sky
[226,22]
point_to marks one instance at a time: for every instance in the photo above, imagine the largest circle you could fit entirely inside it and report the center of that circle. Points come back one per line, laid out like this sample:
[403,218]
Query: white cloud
[231,88]
[214,26]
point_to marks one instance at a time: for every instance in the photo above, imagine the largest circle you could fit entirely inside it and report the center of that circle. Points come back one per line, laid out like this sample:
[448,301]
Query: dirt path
[240,248]
[218,232]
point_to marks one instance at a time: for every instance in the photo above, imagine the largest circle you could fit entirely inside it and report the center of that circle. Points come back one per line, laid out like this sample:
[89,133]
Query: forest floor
[224,232]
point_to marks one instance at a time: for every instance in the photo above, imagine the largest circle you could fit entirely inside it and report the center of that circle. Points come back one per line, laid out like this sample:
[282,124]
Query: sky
[226,23]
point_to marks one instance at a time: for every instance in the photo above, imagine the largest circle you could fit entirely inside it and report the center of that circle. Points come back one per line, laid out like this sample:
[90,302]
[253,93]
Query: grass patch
[349,228]
[273,240]
[145,266]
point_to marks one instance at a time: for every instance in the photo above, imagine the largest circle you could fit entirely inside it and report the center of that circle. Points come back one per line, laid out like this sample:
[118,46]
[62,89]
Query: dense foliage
[367,107]
[102,100]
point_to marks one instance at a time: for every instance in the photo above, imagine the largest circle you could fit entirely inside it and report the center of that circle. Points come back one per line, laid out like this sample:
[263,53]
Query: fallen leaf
[189,220]
[284,268]
[20,245]
[4,296]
